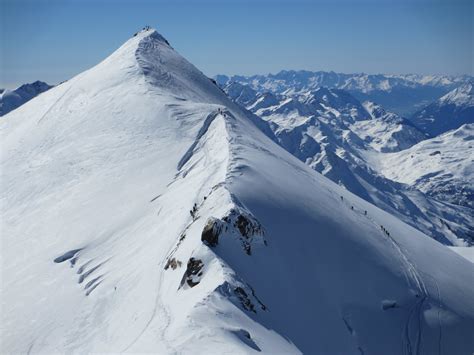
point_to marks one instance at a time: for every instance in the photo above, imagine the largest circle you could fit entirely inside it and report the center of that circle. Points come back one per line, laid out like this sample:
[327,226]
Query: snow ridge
[167,70]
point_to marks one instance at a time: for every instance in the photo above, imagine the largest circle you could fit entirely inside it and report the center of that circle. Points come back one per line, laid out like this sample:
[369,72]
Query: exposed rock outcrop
[193,273]
[242,295]
[237,222]
[212,230]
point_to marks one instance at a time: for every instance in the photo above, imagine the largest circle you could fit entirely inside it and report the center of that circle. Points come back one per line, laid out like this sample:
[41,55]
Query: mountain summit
[449,112]
[143,211]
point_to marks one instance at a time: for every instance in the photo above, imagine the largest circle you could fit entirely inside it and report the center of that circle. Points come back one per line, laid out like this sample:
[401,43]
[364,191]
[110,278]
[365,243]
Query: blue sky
[52,40]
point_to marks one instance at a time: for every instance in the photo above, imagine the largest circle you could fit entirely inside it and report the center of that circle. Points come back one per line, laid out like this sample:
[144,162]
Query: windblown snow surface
[142,211]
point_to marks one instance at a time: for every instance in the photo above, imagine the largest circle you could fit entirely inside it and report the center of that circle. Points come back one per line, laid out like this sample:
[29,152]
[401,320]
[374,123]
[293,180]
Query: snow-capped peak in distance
[145,212]
[461,96]
[11,99]
[449,112]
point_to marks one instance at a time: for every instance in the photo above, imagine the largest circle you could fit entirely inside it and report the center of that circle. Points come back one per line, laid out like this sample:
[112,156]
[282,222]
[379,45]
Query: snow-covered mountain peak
[35,86]
[378,112]
[461,96]
[148,31]
[129,47]
[11,99]
[373,109]
[147,56]
[449,112]
[242,94]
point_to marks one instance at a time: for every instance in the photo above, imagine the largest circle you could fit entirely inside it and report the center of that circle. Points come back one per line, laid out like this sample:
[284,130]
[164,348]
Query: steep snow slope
[449,112]
[11,99]
[338,136]
[467,253]
[441,167]
[144,212]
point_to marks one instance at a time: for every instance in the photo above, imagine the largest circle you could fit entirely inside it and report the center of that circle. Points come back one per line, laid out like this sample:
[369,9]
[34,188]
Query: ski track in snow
[159,307]
[54,105]
[440,306]
[415,313]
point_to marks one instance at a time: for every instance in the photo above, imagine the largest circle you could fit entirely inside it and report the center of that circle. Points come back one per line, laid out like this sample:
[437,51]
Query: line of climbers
[352,207]
[385,231]
[365,214]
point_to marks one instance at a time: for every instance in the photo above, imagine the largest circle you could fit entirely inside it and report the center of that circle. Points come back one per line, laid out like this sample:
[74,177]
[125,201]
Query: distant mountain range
[403,94]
